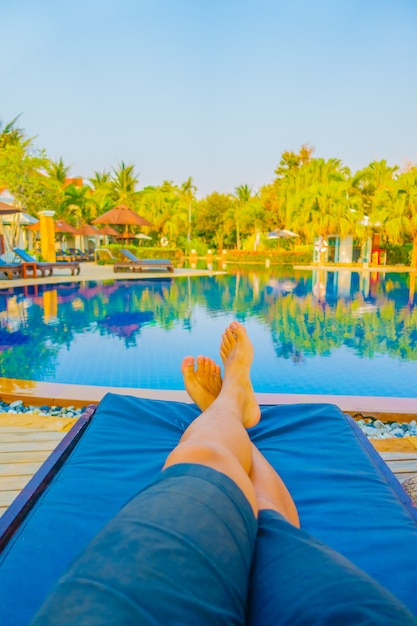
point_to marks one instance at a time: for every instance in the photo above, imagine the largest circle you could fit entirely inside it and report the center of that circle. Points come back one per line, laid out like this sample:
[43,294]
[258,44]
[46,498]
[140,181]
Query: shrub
[399,254]
[276,257]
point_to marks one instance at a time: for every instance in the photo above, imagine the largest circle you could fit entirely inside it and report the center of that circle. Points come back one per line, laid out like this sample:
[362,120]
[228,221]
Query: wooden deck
[22,452]
[402,464]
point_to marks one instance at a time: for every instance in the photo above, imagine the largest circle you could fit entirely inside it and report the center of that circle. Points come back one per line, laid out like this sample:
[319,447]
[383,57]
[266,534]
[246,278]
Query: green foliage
[276,257]
[399,255]
[311,196]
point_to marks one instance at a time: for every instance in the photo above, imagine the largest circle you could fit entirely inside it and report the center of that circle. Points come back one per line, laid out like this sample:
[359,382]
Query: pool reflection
[47,334]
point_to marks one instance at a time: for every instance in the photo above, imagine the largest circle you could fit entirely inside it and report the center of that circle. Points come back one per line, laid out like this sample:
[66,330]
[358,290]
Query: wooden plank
[21,429]
[399,467]
[13,483]
[394,456]
[7,497]
[45,435]
[24,457]
[403,477]
[19,468]
[27,445]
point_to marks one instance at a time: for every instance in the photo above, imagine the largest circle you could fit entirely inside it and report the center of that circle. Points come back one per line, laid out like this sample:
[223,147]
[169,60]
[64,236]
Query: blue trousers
[188,550]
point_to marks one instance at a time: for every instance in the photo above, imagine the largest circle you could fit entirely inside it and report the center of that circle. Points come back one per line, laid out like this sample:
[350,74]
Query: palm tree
[243,195]
[10,135]
[187,191]
[400,215]
[159,205]
[77,205]
[369,183]
[59,171]
[321,195]
[123,185]
[102,191]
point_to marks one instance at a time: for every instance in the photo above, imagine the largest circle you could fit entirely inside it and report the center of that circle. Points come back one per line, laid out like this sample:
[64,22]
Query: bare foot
[236,351]
[204,384]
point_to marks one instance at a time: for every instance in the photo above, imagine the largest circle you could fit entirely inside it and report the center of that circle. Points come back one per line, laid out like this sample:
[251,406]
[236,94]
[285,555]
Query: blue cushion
[345,495]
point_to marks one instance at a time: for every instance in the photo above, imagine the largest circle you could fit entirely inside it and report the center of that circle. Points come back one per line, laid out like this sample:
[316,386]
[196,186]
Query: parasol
[108,230]
[122,215]
[87,230]
[60,226]
[281,234]
[7,209]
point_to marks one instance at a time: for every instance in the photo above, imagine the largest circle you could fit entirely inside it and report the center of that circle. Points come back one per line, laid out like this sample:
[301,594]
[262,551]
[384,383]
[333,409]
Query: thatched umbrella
[86,230]
[8,209]
[109,231]
[60,226]
[122,215]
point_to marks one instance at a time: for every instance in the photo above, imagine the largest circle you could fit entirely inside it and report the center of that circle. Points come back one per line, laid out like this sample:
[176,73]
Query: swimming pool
[354,335]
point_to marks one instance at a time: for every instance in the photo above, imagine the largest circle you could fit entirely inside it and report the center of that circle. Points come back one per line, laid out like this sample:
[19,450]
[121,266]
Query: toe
[187,366]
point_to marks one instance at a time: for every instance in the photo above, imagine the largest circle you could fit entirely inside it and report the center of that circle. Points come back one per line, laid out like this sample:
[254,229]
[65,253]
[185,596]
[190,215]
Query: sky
[212,89]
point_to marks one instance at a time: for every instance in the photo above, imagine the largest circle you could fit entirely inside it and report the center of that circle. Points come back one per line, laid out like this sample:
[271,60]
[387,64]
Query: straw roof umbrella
[86,230]
[60,226]
[8,209]
[109,231]
[122,215]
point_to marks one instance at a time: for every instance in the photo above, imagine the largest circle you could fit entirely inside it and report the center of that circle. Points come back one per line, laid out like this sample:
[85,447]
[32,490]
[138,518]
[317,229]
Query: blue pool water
[352,334]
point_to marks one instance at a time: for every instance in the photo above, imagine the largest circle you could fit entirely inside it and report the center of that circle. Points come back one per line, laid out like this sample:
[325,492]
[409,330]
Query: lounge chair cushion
[345,494]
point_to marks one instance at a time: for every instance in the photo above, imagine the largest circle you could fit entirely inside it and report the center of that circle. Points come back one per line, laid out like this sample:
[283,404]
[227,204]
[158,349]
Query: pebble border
[17,407]
[373,428]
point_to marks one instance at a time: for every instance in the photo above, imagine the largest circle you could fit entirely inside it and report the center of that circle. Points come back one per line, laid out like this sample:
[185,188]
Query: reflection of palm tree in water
[319,288]
[411,289]
[286,350]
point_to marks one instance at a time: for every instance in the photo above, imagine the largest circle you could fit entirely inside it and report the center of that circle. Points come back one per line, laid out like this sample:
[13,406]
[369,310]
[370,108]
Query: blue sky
[213,89]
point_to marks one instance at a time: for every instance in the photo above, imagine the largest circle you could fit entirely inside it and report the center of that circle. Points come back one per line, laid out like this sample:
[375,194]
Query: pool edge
[38,392]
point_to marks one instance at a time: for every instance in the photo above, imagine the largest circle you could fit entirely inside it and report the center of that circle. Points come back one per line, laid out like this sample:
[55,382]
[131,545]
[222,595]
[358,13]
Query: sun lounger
[345,494]
[133,264]
[11,270]
[78,255]
[46,267]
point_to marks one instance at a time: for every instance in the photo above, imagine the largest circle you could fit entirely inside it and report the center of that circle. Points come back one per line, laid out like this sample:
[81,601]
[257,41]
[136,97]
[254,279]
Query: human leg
[181,550]
[295,579]
[203,384]
[218,437]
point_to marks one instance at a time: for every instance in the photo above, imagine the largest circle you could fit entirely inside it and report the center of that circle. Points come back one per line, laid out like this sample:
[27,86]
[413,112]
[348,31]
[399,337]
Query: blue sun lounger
[345,494]
[46,266]
[11,270]
[133,264]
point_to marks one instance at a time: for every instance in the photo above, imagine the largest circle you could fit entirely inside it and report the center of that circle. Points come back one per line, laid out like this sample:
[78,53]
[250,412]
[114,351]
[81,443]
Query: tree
[12,136]
[25,178]
[210,216]
[370,183]
[239,209]
[123,185]
[101,194]
[78,204]
[159,205]
[187,191]
[322,202]
[400,215]
[291,161]
[59,171]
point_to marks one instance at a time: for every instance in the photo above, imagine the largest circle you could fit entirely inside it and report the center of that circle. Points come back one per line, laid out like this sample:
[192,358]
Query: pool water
[339,333]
